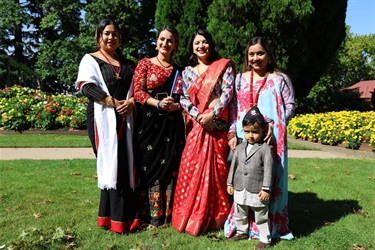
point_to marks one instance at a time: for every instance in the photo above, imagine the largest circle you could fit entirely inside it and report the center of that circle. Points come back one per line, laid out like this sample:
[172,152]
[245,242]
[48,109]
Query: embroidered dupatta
[201,201]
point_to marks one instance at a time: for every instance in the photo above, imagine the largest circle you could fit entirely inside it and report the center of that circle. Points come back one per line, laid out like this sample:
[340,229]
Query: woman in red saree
[201,202]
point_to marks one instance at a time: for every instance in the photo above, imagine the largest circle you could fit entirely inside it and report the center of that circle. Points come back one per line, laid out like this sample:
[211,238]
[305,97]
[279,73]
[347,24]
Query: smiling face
[109,39]
[166,43]
[258,58]
[201,48]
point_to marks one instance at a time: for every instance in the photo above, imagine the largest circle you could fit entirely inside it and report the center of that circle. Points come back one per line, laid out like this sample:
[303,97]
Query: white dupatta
[105,128]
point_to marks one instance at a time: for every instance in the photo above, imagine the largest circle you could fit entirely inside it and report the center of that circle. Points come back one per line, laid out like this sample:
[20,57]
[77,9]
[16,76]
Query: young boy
[250,178]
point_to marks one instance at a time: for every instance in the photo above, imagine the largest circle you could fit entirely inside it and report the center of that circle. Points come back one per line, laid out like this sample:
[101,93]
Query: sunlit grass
[297,146]
[27,140]
[54,203]
[17,140]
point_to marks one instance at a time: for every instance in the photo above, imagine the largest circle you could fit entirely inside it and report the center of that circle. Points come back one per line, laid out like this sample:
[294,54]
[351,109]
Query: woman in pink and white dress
[263,84]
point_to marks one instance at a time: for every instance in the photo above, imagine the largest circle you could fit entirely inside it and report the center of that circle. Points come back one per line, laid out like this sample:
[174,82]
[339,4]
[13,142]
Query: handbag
[219,125]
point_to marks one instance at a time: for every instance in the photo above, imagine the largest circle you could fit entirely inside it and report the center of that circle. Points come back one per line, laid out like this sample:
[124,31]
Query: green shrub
[23,108]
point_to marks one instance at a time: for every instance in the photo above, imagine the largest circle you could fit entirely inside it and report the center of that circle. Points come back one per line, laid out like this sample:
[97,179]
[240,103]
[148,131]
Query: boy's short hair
[254,116]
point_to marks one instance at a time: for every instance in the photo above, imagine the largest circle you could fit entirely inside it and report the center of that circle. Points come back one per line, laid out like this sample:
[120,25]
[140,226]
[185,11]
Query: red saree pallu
[201,201]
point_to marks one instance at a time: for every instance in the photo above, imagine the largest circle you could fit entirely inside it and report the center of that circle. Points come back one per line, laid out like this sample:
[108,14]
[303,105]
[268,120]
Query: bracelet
[159,105]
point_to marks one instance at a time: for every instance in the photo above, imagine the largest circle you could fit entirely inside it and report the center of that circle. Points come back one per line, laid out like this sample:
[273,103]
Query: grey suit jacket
[253,172]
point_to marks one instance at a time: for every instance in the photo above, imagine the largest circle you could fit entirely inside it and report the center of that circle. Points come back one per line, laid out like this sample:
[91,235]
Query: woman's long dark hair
[213,56]
[99,32]
[101,26]
[272,65]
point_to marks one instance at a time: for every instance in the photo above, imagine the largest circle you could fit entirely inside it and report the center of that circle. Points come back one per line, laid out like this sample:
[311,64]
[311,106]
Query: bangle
[159,105]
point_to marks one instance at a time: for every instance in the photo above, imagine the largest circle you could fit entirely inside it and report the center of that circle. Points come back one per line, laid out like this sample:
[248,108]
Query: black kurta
[117,209]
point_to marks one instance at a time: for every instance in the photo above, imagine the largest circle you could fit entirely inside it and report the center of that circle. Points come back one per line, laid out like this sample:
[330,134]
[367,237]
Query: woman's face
[258,57]
[110,38]
[166,43]
[201,48]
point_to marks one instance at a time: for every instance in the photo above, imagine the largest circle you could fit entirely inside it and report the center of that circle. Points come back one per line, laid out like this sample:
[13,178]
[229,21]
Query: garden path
[325,151]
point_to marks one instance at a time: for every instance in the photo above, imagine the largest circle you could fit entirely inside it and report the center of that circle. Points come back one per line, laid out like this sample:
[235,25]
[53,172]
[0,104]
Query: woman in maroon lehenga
[201,201]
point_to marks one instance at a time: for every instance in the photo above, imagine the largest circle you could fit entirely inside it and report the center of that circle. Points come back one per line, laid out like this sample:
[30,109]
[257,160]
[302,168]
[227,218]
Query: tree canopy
[304,34]
[353,62]
[42,41]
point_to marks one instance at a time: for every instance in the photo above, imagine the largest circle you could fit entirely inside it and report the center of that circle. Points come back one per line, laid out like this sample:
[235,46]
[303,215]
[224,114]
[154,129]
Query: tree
[19,41]
[186,17]
[69,33]
[304,34]
[136,21]
[60,50]
[353,62]
[232,24]
[42,41]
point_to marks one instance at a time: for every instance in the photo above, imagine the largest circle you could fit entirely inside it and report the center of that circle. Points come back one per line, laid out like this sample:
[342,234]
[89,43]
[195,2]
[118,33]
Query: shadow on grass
[307,212]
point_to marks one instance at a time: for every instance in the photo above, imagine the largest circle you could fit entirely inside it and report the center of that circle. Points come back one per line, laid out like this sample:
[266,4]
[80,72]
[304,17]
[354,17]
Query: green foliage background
[43,41]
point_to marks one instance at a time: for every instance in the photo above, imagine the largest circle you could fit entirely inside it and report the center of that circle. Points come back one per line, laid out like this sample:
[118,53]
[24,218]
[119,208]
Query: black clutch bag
[220,125]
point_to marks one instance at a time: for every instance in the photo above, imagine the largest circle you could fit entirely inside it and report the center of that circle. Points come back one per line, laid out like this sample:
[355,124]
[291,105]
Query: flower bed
[350,128]
[22,108]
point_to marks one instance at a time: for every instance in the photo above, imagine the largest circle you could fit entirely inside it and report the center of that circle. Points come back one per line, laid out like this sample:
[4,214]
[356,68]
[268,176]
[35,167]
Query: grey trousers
[261,220]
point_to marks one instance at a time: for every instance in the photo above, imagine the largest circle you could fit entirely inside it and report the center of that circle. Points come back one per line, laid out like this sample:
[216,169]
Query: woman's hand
[230,190]
[232,143]
[268,138]
[124,107]
[174,106]
[205,120]
[167,104]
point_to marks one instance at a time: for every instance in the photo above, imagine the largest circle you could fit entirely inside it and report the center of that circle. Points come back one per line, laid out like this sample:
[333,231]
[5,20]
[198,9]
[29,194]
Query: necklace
[199,73]
[117,74]
[254,98]
[157,58]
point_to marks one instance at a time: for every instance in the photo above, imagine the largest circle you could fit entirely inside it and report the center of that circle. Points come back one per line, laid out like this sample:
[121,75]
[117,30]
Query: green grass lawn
[297,146]
[45,140]
[18,140]
[51,204]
